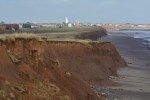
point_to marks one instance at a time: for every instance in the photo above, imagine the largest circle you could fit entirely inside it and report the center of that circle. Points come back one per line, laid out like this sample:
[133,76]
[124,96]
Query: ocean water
[145,35]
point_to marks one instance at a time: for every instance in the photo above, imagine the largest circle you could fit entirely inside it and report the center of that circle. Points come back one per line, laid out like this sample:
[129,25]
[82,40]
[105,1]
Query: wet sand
[134,79]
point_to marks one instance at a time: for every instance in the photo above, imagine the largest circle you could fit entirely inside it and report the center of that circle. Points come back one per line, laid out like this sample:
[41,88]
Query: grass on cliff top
[26,36]
[57,29]
[85,42]
[72,40]
[12,37]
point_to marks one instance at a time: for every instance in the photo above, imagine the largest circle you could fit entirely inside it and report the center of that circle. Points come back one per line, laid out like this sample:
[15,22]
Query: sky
[94,11]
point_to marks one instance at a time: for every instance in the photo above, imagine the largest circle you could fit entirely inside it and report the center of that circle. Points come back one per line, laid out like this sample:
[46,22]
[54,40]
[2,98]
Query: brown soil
[95,61]
[44,70]
[93,35]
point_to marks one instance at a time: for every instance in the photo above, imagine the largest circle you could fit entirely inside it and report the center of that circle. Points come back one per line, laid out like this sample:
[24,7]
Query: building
[77,22]
[2,27]
[26,25]
[142,26]
[48,24]
[9,27]
[66,20]
[69,25]
[30,25]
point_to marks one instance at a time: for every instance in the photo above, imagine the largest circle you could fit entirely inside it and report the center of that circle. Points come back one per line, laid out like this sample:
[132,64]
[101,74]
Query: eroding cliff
[90,62]
[93,35]
[32,69]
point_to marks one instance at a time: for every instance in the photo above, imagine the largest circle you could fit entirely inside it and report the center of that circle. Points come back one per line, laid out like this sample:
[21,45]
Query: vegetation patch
[13,58]
[44,90]
[68,73]
[86,42]
[7,96]
[64,97]
[26,36]
[55,60]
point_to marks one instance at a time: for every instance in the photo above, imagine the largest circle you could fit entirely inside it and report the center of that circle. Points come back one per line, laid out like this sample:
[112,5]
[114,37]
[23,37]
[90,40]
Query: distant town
[112,26]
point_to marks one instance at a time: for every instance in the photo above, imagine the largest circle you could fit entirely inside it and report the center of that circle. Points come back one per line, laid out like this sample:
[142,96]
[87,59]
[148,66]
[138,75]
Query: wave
[145,35]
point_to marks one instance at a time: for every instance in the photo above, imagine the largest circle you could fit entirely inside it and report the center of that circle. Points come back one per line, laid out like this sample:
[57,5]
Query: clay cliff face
[93,35]
[36,70]
[91,62]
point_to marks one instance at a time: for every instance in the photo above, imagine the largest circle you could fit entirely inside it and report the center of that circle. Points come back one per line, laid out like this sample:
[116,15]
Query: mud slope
[90,62]
[47,70]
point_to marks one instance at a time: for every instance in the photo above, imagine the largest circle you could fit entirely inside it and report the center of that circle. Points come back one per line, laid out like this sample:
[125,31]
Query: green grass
[64,29]
[52,29]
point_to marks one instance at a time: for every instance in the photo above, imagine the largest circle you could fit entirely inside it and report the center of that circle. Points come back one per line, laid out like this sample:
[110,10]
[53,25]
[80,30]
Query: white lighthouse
[66,20]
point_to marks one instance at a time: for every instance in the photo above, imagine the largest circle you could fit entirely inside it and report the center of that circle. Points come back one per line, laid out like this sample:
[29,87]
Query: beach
[134,79]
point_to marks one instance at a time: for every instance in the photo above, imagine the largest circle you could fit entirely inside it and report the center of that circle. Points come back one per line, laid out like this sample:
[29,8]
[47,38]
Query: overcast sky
[95,11]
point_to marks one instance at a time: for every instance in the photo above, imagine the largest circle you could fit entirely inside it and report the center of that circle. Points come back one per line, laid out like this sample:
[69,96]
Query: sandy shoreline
[134,79]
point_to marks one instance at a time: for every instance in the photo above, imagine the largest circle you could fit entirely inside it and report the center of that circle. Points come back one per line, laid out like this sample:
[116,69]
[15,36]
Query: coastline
[69,65]
[134,79]
[59,54]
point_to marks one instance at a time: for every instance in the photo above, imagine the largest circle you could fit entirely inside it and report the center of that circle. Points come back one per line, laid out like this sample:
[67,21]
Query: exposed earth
[41,69]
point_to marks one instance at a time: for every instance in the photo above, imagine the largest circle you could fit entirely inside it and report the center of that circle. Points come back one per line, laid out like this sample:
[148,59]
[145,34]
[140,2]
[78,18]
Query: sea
[144,35]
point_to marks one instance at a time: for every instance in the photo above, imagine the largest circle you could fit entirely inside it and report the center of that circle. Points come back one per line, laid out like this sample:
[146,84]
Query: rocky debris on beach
[107,93]
[116,78]
[136,74]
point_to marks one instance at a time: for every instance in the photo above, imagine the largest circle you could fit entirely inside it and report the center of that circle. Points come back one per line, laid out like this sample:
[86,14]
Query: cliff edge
[33,68]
